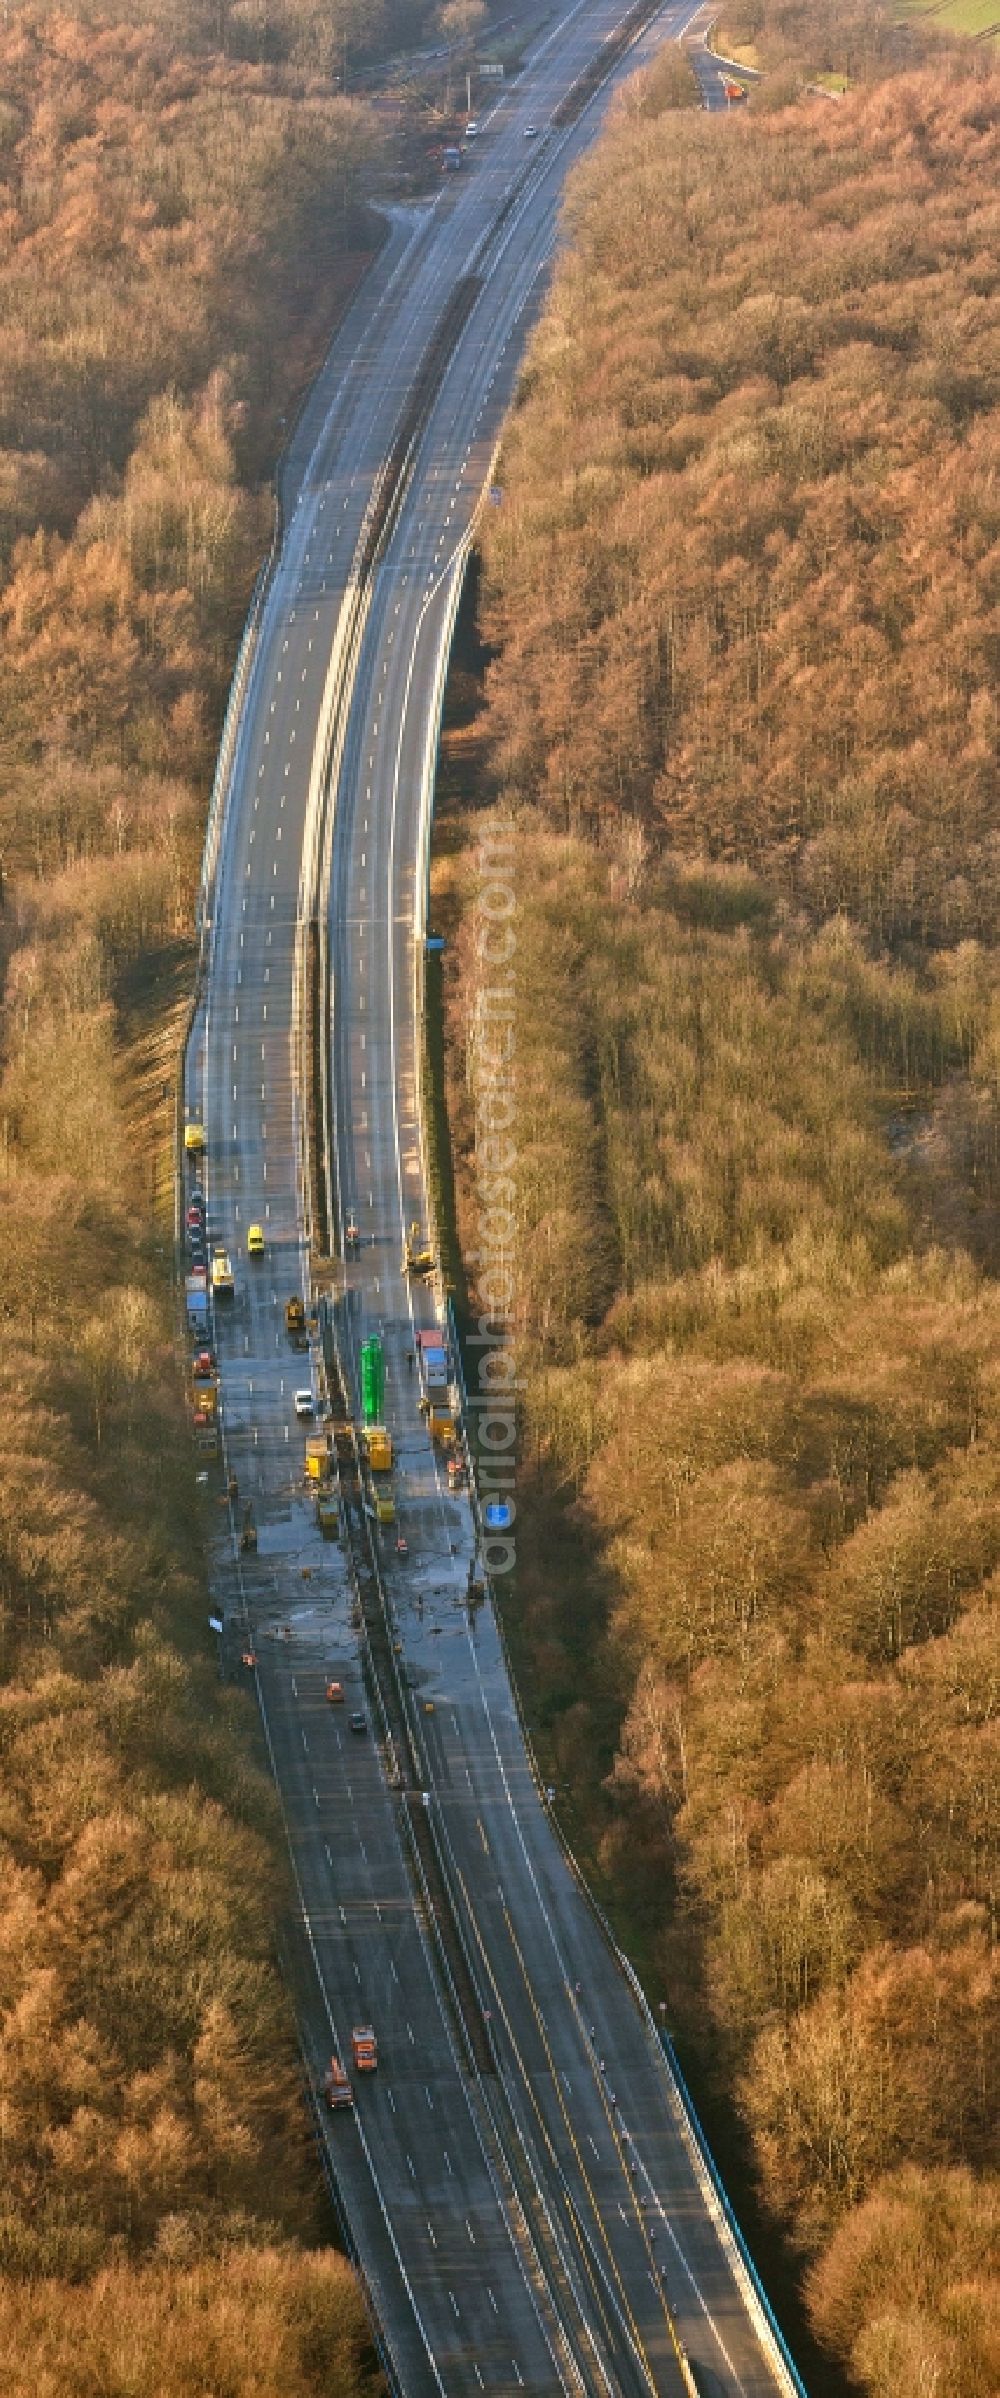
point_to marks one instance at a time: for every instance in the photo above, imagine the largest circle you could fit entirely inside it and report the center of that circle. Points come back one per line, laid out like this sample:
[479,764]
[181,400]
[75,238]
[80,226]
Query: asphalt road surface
[547,2224]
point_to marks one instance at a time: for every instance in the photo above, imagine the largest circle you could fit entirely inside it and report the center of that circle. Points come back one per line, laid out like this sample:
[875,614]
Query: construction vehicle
[205,1399]
[206,1440]
[352,1237]
[223,1280]
[295,1321]
[377,1445]
[456,1475]
[318,1460]
[327,1513]
[433,1360]
[194,1138]
[372,1382]
[441,1427]
[337,2090]
[418,1256]
[203,1366]
[256,1243]
[364,2048]
[734,91]
[248,1531]
[196,1304]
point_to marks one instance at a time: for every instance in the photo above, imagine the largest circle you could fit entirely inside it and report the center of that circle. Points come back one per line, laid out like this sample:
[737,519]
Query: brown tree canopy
[744,571]
[175,239]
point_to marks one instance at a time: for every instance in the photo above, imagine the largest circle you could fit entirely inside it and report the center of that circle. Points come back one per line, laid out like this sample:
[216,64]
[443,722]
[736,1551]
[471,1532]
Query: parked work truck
[432,1357]
[376,1440]
[327,1511]
[337,2090]
[318,1464]
[377,1445]
[196,1305]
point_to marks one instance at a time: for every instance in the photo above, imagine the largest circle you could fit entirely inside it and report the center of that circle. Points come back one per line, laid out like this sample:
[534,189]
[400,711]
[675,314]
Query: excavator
[418,1256]
[336,2088]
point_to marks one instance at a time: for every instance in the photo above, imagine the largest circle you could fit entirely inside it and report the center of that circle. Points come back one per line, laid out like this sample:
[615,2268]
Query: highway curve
[523,2194]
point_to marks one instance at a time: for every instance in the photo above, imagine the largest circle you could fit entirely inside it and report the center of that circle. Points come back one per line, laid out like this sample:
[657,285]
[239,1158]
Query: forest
[740,593]
[177,233]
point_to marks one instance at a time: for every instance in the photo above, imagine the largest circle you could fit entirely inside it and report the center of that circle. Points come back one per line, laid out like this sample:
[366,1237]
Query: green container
[372,1382]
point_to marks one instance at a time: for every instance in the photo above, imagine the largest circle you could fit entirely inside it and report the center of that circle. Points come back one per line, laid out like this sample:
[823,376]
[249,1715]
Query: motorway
[526,2201]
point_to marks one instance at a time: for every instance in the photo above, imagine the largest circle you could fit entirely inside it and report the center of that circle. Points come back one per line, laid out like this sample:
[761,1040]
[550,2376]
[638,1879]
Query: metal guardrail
[719,2186]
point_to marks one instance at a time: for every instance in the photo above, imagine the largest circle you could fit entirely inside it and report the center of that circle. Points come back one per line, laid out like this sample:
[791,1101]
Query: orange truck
[364,2048]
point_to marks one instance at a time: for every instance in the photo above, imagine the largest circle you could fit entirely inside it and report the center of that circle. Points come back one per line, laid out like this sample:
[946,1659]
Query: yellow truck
[317,1458]
[194,1138]
[223,1280]
[377,1444]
